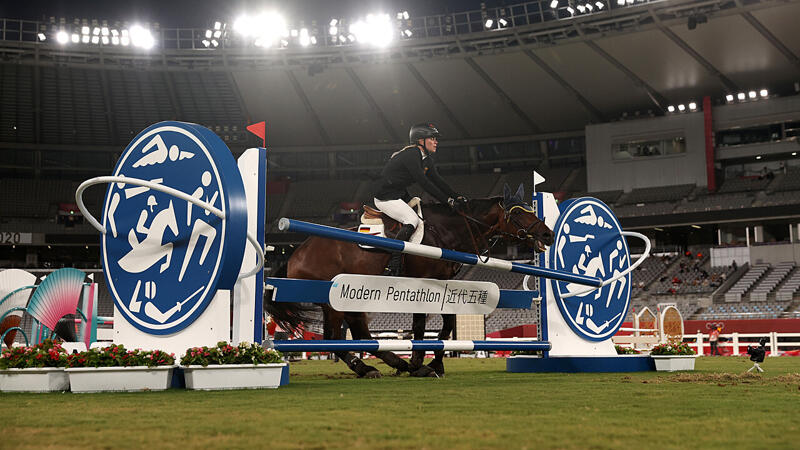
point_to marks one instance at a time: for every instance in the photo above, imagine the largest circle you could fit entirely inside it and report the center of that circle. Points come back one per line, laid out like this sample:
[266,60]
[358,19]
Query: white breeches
[399,211]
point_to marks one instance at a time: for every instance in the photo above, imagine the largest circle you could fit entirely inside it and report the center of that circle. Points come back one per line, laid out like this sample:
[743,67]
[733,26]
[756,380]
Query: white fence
[738,342]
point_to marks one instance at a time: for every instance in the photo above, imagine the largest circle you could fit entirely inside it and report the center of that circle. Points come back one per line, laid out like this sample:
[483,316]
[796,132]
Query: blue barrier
[433,252]
[407,345]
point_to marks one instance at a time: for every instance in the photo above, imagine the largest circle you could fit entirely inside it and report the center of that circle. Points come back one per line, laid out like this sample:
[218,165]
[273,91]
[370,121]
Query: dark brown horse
[507,217]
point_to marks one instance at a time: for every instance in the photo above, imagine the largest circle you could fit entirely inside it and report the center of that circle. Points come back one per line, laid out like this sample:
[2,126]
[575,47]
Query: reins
[494,230]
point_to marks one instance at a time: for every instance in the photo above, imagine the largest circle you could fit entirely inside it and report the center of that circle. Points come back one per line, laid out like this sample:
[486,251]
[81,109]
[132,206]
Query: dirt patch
[724,379]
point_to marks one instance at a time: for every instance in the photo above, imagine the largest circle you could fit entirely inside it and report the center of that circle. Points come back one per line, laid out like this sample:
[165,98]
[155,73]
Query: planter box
[672,363]
[115,379]
[236,376]
[44,379]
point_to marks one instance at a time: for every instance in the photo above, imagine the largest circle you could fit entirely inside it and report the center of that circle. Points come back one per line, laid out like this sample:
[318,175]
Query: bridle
[523,233]
[496,232]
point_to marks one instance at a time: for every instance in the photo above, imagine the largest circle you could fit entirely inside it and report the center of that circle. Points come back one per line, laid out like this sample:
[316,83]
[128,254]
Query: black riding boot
[395,264]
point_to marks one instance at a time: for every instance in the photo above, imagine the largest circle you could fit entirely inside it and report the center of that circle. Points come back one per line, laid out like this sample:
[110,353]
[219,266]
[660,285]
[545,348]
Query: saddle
[372,222]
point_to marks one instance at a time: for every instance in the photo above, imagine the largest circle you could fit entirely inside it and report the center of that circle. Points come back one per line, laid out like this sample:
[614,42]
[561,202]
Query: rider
[413,163]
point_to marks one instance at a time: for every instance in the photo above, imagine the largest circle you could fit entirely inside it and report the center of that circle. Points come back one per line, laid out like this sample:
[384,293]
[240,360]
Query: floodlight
[333,22]
[681,107]
[305,39]
[489,23]
[502,22]
[293,33]
[351,37]
[205,42]
[95,39]
[763,93]
[208,33]
[284,42]
[217,25]
[630,2]
[376,30]
[62,37]
[313,40]
[342,39]
[85,38]
[96,31]
[692,106]
[104,31]
[406,15]
[729,98]
[581,8]
[124,40]
[751,94]
[671,108]
[758,157]
[114,32]
[333,31]
[104,40]
[554,4]
[141,37]
[590,7]
[215,43]
[741,96]
[570,11]
[600,5]
[408,33]
[620,2]
[115,40]
[217,34]
[84,30]
[42,37]
[76,38]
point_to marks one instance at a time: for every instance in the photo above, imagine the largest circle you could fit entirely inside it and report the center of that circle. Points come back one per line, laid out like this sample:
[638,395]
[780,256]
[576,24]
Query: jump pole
[428,251]
[395,345]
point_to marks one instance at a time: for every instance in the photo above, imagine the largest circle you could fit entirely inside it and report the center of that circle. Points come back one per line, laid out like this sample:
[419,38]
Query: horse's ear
[506,191]
[520,193]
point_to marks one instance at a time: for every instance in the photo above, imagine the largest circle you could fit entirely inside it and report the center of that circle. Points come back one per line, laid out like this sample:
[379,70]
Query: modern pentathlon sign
[367,293]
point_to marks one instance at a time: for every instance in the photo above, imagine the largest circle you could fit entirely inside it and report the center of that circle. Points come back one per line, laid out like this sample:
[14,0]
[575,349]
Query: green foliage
[224,353]
[46,354]
[626,350]
[672,348]
[117,356]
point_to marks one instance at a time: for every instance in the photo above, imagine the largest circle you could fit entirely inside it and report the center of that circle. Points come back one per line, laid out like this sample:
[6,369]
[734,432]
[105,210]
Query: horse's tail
[290,316]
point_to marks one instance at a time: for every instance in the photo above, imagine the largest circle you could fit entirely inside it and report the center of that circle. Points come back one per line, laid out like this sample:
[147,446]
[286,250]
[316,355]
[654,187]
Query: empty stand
[747,281]
[771,281]
[790,287]
[657,194]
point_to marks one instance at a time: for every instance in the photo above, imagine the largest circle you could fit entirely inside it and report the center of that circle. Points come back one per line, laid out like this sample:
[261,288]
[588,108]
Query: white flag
[537,179]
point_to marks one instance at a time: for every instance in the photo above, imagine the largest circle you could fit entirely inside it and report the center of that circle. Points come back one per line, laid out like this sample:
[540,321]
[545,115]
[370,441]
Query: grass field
[477,405]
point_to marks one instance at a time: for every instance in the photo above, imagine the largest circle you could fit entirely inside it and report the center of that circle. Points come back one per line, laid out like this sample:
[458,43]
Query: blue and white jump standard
[579,310]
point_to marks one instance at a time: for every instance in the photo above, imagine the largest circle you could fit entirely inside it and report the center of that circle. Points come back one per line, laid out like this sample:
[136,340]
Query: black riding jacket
[407,167]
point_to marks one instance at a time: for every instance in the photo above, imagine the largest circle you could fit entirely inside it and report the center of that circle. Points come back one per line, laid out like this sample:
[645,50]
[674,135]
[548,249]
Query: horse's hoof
[438,368]
[424,371]
[373,374]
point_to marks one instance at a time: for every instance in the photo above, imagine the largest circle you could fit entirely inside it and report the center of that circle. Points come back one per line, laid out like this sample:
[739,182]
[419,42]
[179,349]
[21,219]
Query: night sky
[199,13]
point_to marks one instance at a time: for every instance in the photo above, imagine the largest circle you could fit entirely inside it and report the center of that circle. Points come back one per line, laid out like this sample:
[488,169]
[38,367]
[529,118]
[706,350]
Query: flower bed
[673,356]
[246,366]
[34,369]
[114,368]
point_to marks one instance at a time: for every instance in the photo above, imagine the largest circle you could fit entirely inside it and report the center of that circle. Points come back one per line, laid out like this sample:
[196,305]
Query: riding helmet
[422,131]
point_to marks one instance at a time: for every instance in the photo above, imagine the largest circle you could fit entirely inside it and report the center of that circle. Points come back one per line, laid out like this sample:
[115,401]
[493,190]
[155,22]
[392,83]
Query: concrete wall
[755,254]
[604,173]
[775,254]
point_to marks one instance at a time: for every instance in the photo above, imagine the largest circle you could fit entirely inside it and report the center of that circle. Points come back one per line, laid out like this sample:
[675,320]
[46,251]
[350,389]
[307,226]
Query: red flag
[260,130]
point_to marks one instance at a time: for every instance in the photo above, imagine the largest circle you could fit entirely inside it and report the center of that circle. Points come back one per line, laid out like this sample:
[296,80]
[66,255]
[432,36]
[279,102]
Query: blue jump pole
[406,345]
[433,252]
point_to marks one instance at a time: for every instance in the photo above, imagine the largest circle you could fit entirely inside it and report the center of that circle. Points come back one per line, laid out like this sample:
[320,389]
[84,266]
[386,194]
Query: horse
[508,218]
